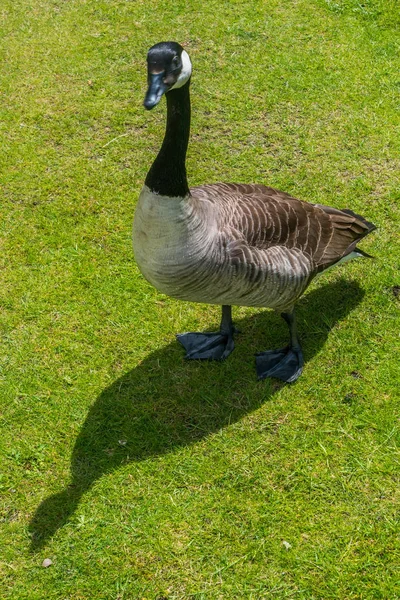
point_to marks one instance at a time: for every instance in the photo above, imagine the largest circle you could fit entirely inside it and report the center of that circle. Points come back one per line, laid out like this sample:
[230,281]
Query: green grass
[140,475]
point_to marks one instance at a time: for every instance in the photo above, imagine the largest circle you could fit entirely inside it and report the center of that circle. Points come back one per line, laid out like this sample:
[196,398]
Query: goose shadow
[166,402]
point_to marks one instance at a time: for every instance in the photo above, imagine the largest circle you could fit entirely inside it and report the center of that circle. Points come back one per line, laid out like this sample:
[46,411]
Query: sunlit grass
[138,474]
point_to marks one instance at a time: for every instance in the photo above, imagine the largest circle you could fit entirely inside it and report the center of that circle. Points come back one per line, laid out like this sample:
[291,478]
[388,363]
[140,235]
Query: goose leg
[211,346]
[285,363]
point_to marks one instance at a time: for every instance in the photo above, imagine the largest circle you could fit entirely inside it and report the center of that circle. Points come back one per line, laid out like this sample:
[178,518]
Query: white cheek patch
[185,72]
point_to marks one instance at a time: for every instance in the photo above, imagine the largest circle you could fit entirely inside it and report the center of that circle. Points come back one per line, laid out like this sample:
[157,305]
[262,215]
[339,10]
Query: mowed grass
[139,475]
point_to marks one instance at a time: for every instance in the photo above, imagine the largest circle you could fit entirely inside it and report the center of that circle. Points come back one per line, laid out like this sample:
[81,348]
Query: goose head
[168,68]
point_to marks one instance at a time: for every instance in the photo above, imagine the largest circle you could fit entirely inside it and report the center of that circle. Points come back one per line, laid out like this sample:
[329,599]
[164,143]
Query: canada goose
[226,243]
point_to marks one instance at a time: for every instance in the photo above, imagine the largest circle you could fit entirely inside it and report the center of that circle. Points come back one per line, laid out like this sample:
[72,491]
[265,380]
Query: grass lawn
[142,476]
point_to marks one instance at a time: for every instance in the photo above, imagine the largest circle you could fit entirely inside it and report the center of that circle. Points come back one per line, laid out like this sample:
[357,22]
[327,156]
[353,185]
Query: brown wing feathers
[266,217]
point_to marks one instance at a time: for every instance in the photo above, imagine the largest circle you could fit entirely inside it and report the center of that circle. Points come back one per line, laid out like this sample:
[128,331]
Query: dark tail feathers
[361,252]
[371,226]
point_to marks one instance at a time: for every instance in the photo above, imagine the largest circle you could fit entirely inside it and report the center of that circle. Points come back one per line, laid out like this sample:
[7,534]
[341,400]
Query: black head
[168,67]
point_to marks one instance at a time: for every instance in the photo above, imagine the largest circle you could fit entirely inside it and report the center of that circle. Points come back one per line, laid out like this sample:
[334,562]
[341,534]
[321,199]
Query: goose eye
[175,62]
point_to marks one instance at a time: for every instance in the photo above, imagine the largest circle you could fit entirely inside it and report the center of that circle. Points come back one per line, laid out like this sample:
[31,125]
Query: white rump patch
[343,260]
[186,71]
[348,257]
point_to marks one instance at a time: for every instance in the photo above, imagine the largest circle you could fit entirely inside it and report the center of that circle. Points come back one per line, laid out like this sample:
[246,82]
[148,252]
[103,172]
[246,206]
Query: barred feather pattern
[247,245]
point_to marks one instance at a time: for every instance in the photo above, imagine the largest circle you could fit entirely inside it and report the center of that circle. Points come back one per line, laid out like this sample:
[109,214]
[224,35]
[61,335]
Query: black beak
[156,89]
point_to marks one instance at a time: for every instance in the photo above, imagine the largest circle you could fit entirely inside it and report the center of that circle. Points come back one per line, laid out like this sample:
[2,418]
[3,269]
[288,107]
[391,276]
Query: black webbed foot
[211,346]
[206,346]
[285,364]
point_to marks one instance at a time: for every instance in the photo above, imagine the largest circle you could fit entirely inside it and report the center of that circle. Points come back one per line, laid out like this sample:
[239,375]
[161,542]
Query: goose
[227,243]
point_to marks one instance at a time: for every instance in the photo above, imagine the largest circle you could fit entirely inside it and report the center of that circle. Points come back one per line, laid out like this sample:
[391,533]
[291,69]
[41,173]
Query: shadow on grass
[165,402]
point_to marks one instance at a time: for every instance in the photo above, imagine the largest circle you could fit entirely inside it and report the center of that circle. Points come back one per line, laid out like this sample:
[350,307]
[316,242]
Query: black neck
[167,175]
